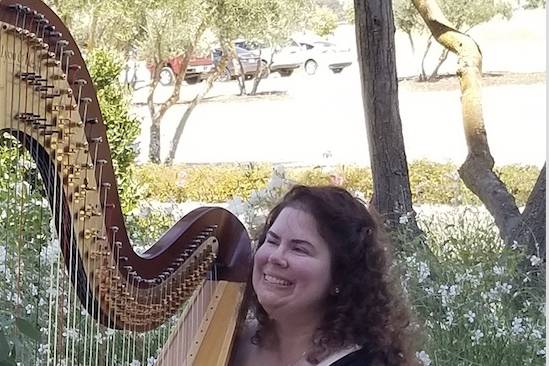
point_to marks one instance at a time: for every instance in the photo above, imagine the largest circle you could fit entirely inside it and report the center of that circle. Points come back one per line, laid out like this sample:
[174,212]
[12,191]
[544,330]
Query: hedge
[431,183]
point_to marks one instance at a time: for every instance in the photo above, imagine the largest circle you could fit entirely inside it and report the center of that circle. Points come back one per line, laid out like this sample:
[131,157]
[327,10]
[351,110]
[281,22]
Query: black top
[356,358]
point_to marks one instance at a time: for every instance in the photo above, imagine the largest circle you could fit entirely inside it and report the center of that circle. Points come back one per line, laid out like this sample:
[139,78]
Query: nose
[278,257]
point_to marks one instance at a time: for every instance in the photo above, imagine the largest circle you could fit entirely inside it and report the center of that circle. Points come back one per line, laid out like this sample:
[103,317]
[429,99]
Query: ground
[450,82]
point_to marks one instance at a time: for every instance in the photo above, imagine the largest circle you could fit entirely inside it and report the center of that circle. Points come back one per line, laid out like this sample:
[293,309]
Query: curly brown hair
[369,309]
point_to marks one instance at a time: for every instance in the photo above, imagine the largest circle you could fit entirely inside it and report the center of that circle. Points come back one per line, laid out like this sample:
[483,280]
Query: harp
[86,297]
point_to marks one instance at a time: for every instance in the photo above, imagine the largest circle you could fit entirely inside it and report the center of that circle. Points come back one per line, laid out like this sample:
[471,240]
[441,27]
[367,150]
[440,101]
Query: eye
[301,250]
[271,242]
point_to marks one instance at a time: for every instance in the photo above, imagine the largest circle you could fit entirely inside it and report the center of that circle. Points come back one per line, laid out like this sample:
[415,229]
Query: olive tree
[463,14]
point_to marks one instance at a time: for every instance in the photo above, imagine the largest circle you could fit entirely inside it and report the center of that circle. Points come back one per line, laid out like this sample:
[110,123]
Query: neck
[294,338]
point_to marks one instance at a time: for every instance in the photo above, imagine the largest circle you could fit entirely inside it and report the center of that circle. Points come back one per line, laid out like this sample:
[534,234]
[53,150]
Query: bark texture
[376,50]
[477,170]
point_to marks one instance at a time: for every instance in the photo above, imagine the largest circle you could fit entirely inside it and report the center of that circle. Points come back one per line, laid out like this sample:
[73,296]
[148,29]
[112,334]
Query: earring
[336,290]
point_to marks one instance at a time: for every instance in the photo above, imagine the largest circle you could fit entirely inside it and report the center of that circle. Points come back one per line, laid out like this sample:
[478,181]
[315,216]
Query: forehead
[296,222]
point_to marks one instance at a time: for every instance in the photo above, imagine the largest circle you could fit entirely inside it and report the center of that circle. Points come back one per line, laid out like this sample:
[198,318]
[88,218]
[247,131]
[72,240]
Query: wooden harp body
[94,300]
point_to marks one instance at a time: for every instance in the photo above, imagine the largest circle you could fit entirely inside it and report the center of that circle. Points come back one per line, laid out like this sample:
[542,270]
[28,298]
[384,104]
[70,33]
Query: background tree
[170,29]
[268,23]
[264,21]
[323,21]
[532,4]
[102,22]
[463,14]
[376,53]
[528,228]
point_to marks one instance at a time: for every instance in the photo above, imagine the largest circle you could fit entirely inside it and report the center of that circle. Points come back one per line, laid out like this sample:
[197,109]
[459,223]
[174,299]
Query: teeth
[276,281]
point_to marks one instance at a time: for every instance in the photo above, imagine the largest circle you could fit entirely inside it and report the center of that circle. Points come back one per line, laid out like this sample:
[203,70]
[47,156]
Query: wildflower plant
[476,303]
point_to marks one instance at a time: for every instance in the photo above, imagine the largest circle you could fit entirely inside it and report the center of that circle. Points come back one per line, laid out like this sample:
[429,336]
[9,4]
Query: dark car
[250,63]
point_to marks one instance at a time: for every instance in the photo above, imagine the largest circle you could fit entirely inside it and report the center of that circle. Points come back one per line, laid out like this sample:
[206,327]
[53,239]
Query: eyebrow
[295,241]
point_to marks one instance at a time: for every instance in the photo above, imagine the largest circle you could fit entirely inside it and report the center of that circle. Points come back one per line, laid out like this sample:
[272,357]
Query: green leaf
[4,346]
[27,328]
[9,362]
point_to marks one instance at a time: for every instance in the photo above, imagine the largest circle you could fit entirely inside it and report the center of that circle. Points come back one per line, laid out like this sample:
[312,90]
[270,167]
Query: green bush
[431,183]
[122,129]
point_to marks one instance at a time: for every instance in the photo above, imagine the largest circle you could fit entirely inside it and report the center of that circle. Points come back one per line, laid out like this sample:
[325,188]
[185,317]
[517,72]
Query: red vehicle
[197,69]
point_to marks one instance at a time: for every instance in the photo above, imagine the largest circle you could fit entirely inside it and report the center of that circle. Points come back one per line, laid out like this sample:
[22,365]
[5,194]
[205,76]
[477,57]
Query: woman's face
[292,271]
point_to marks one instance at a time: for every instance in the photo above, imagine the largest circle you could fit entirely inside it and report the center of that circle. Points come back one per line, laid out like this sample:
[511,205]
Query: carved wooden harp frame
[61,126]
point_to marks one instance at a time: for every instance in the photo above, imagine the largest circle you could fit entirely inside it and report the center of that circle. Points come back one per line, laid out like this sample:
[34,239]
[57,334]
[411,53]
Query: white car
[284,59]
[324,54]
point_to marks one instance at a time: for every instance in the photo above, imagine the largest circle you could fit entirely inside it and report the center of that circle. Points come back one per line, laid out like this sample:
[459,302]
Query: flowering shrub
[474,303]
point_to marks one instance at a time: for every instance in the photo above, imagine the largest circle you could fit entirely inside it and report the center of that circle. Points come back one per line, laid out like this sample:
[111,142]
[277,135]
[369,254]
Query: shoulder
[356,358]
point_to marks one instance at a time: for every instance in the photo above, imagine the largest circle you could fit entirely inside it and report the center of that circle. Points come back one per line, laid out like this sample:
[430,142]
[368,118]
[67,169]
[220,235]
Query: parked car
[197,70]
[285,59]
[250,63]
[324,54]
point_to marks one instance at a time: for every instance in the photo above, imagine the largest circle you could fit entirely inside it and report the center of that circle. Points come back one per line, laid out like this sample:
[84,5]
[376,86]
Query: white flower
[403,219]
[470,316]
[135,363]
[477,335]
[498,270]
[537,334]
[450,317]
[500,332]
[424,358]
[33,289]
[541,352]
[151,361]
[517,327]
[71,333]
[424,272]
[535,261]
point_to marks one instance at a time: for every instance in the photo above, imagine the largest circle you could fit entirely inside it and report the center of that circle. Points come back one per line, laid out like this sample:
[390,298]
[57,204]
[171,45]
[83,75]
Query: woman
[322,293]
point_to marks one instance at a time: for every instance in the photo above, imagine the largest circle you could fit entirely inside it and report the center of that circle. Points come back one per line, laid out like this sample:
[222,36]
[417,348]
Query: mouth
[276,281]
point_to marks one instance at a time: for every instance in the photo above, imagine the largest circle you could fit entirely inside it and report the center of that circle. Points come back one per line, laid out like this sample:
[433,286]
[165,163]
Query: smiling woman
[322,292]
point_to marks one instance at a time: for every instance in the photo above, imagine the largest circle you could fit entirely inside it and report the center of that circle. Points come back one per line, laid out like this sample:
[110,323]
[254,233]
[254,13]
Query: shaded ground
[451,82]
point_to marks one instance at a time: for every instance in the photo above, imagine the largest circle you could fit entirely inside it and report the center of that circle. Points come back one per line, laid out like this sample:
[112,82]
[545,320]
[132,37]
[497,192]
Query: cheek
[260,259]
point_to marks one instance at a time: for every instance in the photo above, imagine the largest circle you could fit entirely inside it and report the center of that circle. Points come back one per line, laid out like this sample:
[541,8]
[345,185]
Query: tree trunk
[375,43]
[531,229]
[196,100]
[423,74]
[441,59]
[476,172]
[412,44]
[261,72]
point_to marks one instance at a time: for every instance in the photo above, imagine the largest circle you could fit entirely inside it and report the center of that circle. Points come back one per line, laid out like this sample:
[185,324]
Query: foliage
[532,4]
[462,14]
[101,22]
[349,16]
[323,21]
[172,29]
[473,302]
[205,184]
[406,16]
[122,129]
[265,22]
[25,230]
[432,183]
